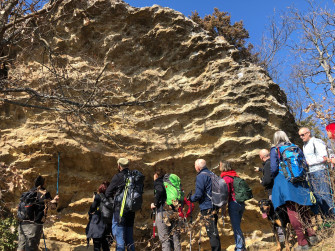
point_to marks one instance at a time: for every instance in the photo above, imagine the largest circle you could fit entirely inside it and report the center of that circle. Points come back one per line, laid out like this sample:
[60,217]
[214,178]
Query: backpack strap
[208,175]
[278,152]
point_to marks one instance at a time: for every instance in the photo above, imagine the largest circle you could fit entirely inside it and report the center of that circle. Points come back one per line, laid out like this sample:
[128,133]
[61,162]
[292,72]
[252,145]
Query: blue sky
[254,13]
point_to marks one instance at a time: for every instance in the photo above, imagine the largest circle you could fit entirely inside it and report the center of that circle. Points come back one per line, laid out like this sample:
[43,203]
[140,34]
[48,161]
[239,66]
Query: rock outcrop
[205,102]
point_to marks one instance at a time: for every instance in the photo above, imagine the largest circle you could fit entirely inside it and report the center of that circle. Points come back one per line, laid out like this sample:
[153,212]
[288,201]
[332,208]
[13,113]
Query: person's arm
[199,188]
[267,178]
[159,194]
[274,162]
[320,150]
[52,203]
[95,204]
[112,187]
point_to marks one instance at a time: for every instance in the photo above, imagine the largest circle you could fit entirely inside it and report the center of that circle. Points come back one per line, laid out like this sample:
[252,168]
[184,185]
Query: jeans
[211,223]
[321,188]
[123,236]
[235,211]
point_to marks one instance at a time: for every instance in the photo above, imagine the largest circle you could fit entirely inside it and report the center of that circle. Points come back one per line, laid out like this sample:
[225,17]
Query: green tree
[219,24]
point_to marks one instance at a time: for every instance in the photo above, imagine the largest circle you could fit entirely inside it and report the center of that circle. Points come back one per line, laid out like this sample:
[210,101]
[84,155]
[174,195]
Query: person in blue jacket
[294,196]
[203,194]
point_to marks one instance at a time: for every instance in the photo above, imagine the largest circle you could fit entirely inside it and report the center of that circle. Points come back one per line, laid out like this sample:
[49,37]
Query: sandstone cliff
[205,102]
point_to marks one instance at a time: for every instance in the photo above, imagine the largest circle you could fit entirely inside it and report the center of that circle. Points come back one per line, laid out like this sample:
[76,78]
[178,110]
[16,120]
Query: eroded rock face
[208,103]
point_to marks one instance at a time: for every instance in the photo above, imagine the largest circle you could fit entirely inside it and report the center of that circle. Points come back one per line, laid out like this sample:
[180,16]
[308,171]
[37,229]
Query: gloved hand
[188,197]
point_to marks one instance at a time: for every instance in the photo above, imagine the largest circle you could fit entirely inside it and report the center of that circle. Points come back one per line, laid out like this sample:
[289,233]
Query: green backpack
[174,193]
[242,191]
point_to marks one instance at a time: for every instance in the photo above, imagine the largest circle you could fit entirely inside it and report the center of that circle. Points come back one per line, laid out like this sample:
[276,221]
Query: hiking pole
[190,223]
[45,245]
[200,239]
[153,214]
[331,190]
[58,173]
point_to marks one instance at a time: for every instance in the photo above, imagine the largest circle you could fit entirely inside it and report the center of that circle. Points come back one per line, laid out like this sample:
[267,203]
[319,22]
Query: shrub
[219,24]
[8,233]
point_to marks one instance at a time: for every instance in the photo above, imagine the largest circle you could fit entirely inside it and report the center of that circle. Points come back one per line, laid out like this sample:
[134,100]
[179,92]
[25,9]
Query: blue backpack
[292,164]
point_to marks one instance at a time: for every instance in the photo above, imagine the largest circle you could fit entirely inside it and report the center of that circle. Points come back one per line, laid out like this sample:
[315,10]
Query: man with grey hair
[203,194]
[267,180]
[315,152]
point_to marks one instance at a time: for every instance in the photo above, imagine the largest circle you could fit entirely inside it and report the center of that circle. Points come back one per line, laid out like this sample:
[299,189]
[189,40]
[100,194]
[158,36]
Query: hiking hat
[123,162]
[39,181]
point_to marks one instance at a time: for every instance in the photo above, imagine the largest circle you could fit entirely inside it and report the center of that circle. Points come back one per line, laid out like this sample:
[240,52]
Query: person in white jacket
[315,152]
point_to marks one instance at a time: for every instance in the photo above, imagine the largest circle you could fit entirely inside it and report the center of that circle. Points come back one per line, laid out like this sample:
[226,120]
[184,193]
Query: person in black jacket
[267,179]
[122,227]
[98,230]
[168,232]
[30,231]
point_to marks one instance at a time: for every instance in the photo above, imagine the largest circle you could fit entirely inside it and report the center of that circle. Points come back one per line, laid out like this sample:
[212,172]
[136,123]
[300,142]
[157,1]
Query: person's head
[225,166]
[103,187]
[280,137]
[331,130]
[39,181]
[199,164]
[122,163]
[158,173]
[305,134]
[264,154]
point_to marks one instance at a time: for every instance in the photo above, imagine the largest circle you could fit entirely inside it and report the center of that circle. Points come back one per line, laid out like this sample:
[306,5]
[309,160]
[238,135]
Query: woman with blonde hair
[294,195]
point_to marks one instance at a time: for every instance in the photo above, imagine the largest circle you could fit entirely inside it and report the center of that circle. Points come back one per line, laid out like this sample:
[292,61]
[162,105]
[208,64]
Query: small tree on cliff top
[219,24]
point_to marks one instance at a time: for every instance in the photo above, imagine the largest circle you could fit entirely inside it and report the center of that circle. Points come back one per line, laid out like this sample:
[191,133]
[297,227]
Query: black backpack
[28,206]
[106,208]
[130,198]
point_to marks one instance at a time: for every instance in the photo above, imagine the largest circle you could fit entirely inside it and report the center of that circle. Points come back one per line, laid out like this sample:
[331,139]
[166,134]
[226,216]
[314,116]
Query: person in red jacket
[235,209]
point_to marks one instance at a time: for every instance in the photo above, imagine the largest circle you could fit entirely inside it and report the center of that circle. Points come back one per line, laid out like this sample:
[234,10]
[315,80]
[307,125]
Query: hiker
[122,227]
[168,228]
[98,230]
[31,222]
[203,193]
[315,152]
[267,180]
[330,128]
[235,209]
[295,196]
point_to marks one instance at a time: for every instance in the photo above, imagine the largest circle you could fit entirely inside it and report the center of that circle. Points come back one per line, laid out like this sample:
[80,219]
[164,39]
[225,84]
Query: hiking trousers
[211,224]
[29,236]
[168,232]
[300,221]
[100,243]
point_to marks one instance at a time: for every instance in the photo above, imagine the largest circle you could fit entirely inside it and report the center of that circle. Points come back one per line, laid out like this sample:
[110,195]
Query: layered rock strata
[206,102]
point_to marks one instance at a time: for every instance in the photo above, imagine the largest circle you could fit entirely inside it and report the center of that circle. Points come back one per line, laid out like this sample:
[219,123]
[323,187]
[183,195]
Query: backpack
[242,190]
[291,164]
[131,198]
[174,193]
[219,190]
[28,205]
[106,208]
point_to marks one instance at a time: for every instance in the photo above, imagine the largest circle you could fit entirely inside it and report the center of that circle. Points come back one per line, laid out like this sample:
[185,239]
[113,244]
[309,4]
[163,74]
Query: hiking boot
[300,248]
[313,240]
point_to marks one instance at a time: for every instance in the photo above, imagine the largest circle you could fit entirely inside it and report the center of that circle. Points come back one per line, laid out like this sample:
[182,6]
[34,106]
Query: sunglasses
[303,134]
